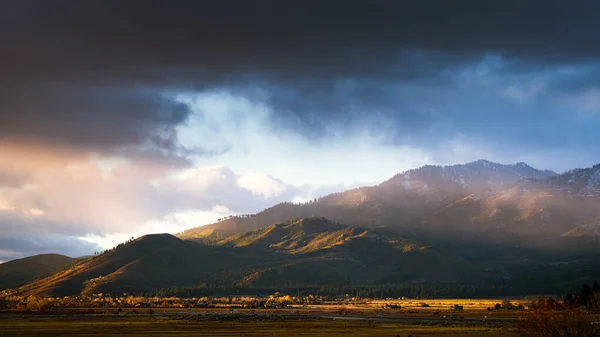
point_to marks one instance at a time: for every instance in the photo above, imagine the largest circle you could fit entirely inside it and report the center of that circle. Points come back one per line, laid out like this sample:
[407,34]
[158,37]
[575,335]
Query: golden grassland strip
[157,327]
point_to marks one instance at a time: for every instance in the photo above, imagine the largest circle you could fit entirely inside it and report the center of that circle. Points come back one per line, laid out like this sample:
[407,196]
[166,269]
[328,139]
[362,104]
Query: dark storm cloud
[93,72]
[96,117]
[296,35]
[289,38]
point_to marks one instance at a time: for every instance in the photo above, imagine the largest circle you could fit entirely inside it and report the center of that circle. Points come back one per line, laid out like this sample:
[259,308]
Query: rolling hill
[312,251]
[300,252]
[17,272]
[150,262]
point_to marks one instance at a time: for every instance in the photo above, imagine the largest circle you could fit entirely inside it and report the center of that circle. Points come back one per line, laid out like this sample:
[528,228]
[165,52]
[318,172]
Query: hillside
[317,251]
[591,229]
[534,208]
[516,211]
[150,262]
[577,182]
[17,272]
[405,200]
[294,237]
[301,252]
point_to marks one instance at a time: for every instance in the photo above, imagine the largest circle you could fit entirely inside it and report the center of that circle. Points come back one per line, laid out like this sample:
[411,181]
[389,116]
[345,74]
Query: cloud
[524,92]
[78,197]
[16,247]
[92,118]
[68,194]
[10,177]
[114,84]
[261,184]
[220,38]
[589,102]
[344,152]
[105,85]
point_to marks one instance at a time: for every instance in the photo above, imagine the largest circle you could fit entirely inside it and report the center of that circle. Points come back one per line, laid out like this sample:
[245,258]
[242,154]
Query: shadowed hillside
[17,272]
[317,251]
[150,262]
[305,251]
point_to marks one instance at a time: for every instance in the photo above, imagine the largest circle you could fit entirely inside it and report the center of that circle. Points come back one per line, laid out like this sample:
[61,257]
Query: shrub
[41,304]
[569,322]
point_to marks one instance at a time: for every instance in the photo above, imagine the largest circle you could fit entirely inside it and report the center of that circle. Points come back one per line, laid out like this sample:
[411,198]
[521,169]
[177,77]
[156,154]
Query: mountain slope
[17,272]
[317,251]
[150,262]
[591,229]
[516,211]
[294,237]
[401,201]
[302,252]
[581,182]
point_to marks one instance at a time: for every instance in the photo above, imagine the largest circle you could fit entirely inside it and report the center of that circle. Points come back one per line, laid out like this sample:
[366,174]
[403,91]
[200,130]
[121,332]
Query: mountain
[404,200]
[477,176]
[17,272]
[295,237]
[315,252]
[150,262]
[301,252]
[577,182]
[532,207]
[479,224]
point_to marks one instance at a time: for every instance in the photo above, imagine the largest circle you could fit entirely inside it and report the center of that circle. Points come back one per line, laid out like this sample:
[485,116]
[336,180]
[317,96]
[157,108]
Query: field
[159,326]
[360,318]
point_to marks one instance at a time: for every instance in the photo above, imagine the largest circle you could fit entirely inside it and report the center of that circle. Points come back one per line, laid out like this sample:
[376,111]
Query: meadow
[391,317]
[157,326]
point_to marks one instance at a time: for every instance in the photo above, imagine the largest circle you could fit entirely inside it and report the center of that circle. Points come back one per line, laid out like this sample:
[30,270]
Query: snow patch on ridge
[594,182]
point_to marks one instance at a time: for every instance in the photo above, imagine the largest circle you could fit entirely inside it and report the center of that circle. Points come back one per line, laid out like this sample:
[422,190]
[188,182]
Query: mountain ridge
[403,200]
[476,223]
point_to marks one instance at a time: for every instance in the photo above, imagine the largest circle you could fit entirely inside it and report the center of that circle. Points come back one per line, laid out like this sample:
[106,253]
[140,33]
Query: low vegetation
[143,326]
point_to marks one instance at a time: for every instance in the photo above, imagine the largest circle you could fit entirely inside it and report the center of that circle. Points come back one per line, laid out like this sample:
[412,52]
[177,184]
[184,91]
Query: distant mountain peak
[483,162]
[474,176]
[523,165]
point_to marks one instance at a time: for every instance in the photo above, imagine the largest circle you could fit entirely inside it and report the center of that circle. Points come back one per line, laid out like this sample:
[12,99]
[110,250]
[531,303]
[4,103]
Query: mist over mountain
[405,200]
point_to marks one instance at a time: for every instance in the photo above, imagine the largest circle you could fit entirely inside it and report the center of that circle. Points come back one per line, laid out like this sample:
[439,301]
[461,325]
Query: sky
[125,117]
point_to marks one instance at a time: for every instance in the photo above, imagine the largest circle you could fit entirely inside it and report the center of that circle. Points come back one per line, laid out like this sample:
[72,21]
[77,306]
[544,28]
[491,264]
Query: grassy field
[156,326]
[331,319]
